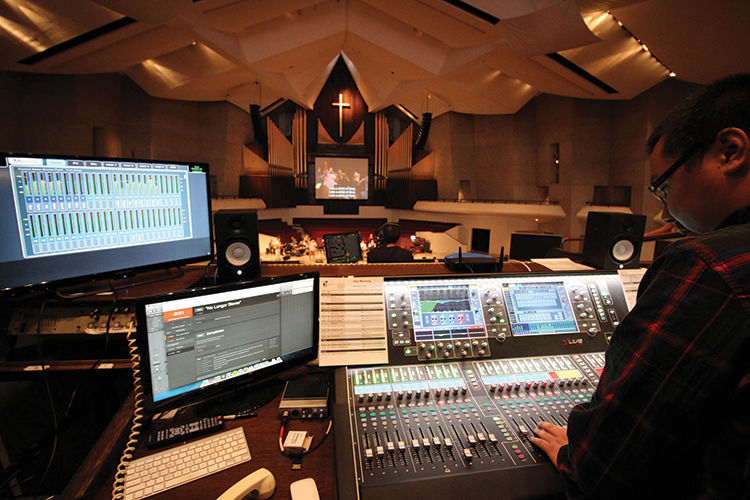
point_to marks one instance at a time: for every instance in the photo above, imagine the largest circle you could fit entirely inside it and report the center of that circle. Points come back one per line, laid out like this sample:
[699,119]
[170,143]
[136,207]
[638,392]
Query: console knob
[369,398]
[400,395]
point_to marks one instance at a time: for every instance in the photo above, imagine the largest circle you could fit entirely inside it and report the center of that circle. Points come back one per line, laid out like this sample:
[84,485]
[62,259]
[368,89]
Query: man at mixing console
[671,415]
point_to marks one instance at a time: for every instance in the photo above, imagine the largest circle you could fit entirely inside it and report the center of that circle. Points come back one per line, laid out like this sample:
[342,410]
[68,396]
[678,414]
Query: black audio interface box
[306,399]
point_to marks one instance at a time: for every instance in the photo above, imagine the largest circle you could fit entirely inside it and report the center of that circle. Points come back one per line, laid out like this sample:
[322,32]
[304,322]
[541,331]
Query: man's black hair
[391,234]
[694,124]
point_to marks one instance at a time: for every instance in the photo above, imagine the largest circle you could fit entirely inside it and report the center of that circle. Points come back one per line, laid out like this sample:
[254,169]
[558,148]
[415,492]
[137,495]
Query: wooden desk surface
[262,434]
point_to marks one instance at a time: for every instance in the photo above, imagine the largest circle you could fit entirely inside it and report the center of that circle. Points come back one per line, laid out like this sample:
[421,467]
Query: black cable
[49,395]
[299,455]
[104,350]
[58,427]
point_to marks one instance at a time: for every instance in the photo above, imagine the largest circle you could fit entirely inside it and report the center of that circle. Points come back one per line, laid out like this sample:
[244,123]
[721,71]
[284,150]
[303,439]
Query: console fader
[475,363]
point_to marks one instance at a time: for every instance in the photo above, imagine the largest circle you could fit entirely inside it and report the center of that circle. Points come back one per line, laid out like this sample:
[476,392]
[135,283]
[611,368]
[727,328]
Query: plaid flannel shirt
[671,415]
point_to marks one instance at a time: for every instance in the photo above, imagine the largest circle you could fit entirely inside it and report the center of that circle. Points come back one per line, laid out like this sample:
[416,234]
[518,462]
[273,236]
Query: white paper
[630,279]
[352,322]
[562,264]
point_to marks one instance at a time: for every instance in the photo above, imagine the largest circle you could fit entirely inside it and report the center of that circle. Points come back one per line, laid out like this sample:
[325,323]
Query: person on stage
[388,249]
[670,417]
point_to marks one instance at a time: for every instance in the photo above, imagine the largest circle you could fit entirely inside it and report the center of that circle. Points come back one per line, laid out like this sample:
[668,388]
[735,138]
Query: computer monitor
[72,219]
[343,248]
[525,246]
[216,345]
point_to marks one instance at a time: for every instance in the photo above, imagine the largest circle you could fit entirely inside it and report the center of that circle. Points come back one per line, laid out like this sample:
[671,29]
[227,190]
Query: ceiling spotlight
[672,74]
[645,49]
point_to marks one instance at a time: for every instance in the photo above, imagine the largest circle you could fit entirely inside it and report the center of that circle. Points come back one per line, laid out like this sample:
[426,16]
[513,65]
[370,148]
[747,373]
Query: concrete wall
[109,115]
[510,157]
[505,157]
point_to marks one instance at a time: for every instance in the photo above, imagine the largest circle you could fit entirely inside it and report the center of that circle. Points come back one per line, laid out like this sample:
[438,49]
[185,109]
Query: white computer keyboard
[185,463]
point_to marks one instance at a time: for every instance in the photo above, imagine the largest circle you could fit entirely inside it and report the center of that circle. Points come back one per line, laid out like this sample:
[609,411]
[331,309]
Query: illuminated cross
[341,104]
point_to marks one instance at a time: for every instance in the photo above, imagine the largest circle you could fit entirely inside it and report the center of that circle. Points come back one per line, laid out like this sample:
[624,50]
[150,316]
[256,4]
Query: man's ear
[733,149]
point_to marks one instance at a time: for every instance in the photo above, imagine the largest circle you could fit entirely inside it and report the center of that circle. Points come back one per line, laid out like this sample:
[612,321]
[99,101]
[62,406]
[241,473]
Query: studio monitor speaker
[237,252]
[613,240]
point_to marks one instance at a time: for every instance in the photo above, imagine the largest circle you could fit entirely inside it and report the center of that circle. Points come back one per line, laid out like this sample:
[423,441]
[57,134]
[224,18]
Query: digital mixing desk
[475,362]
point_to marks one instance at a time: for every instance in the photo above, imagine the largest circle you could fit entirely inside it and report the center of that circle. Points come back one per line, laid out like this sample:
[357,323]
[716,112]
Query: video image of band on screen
[341,178]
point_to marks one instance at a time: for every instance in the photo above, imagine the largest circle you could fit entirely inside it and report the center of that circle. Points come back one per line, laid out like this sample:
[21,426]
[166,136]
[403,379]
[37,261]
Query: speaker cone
[238,254]
[623,250]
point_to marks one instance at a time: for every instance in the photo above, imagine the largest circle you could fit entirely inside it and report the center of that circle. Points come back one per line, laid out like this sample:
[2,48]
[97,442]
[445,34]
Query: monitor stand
[245,399]
[107,286]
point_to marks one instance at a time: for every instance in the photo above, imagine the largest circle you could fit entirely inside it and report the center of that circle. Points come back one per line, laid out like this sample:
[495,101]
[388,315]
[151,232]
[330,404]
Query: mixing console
[475,363]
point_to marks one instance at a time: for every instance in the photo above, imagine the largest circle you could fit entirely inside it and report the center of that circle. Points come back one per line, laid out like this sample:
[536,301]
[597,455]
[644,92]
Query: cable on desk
[118,488]
[522,263]
[296,456]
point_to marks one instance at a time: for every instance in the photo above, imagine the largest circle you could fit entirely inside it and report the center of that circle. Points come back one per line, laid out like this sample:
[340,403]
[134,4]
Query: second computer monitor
[525,246]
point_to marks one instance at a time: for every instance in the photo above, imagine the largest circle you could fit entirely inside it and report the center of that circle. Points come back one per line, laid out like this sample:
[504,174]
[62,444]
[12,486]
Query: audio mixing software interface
[475,362]
[68,205]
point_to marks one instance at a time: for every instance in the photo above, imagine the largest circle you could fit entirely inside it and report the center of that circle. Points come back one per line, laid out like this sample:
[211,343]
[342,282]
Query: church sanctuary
[325,249]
